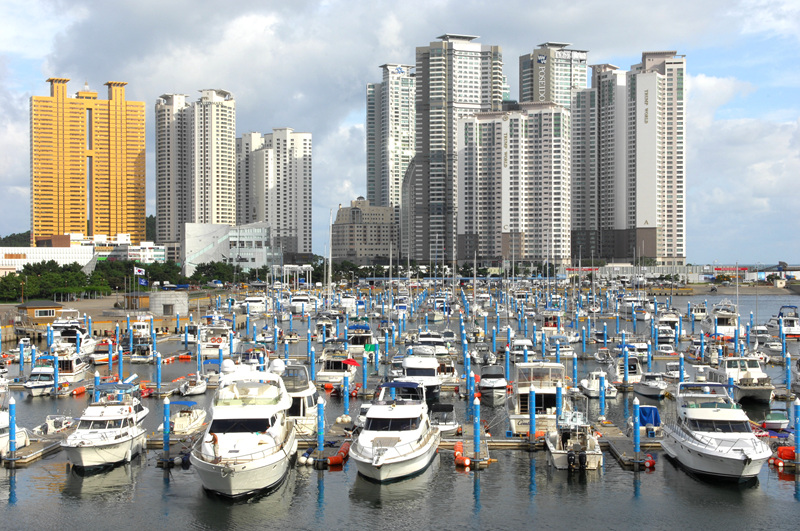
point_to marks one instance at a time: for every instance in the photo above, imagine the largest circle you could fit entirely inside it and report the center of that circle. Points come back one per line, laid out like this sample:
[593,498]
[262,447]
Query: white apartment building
[656,157]
[391,121]
[274,176]
[628,185]
[455,78]
[551,73]
[514,172]
[195,161]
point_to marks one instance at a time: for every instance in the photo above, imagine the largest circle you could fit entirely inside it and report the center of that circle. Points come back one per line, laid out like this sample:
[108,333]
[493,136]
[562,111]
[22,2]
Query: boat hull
[89,456]
[234,479]
[395,469]
[559,459]
[734,466]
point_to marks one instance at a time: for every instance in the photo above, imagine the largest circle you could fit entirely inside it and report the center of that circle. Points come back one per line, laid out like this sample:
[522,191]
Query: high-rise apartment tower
[87,163]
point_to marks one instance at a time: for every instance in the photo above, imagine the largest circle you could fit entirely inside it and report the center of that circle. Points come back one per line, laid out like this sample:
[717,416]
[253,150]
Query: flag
[142,281]
[138,271]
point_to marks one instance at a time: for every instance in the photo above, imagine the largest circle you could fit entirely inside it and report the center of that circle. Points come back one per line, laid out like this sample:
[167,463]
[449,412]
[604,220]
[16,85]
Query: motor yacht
[712,435]
[750,382]
[109,430]
[590,386]
[787,320]
[249,443]
[543,377]
[651,385]
[493,385]
[398,440]
[572,444]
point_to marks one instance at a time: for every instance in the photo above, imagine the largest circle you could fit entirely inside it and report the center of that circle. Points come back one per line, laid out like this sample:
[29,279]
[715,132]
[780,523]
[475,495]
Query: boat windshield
[41,378]
[100,424]
[404,424]
[420,372]
[239,425]
[720,426]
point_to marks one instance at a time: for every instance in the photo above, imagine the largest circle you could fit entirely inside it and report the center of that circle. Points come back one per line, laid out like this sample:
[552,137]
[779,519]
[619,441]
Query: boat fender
[463,461]
[779,463]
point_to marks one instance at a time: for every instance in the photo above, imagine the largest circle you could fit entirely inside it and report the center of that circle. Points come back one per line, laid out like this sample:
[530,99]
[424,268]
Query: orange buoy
[779,463]
[328,386]
[477,394]
[458,448]
[463,461]
[78,390]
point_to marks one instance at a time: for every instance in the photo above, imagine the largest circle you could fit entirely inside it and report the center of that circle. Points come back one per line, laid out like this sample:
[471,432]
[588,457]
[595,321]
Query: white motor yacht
[712,435]
[493,385]
[304,399]
[590,386]
[335,362]
[186,418]
[787,320]
[572,444]
[398,440]
[750,382]
[22,438]
[543,377]
[109,430]
[723,320]
[214,334]
[249,443]
[422,367]
[652,385]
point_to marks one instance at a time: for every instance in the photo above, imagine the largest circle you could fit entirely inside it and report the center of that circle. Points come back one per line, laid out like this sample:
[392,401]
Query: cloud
[741,173]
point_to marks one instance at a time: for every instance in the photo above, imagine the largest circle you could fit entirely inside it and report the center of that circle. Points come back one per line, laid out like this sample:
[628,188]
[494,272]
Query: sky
[305,64]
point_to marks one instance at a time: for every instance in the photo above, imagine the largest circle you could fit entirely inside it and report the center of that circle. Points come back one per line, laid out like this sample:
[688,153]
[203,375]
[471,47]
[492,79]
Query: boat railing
[384,444]
[718,445]
[259,453]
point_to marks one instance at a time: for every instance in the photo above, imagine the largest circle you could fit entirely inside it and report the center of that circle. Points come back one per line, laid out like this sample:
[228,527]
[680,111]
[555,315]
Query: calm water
[519,490]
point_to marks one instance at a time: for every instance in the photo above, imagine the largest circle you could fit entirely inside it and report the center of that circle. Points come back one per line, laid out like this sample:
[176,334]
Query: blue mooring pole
[602,395]
[96,386]
[320,426]
[12,429]
[158,371]
[476,428]
[346,393]
[166,431]
[636,434]
[532,415]
[680,366]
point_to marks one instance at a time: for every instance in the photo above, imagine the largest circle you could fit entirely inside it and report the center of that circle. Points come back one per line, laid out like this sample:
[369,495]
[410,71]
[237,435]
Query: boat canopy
[648,415]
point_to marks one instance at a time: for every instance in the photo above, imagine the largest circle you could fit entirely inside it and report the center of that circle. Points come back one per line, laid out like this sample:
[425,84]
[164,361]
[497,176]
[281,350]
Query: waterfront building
[363,234]
[245,246]
[391,120]
[514,184]
[274,180]
[195,162]
[87,163]
[656,158]
[455,77]
[551,73]
[628,147]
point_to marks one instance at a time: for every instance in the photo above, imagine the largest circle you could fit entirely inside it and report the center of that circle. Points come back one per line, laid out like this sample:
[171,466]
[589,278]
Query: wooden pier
[620,446]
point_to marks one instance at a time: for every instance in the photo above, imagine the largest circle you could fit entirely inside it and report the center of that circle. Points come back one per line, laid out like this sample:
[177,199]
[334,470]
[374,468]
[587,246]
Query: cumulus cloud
[304,64]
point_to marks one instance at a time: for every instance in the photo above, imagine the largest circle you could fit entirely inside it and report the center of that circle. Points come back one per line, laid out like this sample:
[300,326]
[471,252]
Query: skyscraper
[87,163]
[551,73]
[195,161]
[274,175]
[455,77]
[514,184]
[391,116]
[656,162]
[628,162]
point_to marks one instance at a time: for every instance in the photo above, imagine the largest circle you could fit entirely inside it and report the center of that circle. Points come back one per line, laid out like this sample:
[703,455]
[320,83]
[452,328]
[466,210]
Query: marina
[508,471]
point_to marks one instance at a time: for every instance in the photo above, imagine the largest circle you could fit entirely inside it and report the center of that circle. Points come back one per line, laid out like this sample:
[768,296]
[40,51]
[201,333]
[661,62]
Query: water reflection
[376,495]
[113,483]
[476,491]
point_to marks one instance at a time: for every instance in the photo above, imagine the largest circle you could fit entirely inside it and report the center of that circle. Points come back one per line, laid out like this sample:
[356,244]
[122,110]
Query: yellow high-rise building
[87,163]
